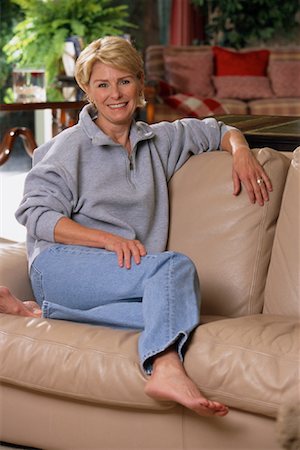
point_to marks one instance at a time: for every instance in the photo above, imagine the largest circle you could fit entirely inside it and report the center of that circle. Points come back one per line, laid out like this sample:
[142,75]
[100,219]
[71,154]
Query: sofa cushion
[243,87]
[83,362]
[275,106]
[190,72]
[154,57]
[282,294]
[223,234]
[248,363]
[284,72]
[15,257]
[232,62]
[233,105]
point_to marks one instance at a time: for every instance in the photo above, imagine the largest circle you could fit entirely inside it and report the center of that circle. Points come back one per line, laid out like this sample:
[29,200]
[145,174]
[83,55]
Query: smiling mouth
[118,105]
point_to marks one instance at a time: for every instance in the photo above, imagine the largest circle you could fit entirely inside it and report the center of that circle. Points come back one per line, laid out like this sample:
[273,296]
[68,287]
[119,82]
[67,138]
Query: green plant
[238,23]
[10,14]
[39,38]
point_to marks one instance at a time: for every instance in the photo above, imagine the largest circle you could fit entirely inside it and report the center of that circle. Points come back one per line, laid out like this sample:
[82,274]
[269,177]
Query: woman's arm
[246,169]
[67,231]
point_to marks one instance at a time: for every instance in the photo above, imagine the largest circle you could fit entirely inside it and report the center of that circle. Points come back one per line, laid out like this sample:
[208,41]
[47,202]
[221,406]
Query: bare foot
[169,381]
[9,304]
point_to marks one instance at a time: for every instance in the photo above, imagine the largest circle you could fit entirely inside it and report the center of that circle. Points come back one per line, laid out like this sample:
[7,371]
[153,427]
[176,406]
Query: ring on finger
[259,181]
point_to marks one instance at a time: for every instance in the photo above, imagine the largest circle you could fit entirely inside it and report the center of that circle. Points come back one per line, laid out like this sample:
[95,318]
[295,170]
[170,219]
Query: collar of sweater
[139,131]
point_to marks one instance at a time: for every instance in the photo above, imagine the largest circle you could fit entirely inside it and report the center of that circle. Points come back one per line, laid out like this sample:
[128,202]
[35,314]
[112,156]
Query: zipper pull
[130,163]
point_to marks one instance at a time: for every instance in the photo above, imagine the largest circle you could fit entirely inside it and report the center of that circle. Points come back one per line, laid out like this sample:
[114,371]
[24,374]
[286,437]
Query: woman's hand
[248,171]
[72,233]
[125,249]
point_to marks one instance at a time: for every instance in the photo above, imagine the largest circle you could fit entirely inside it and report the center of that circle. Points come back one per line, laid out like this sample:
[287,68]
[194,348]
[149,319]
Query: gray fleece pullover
[86,176]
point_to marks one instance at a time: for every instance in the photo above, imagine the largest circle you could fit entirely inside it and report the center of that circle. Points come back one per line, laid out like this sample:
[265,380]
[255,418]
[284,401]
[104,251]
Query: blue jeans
[160,296]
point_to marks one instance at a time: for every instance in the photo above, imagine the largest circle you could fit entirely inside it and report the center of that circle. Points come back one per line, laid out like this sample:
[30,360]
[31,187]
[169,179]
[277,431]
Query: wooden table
[50,117]
[278,132]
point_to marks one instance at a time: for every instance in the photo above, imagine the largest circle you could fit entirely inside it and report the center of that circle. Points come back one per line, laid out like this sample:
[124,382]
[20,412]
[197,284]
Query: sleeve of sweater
[188,137]
[48,196]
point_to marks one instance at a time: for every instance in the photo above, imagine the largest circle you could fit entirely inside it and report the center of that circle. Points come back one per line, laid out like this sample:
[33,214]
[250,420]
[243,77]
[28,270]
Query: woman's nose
[115,91]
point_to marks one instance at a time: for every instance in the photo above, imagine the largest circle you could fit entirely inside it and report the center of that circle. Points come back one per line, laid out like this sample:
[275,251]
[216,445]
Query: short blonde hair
[113,51]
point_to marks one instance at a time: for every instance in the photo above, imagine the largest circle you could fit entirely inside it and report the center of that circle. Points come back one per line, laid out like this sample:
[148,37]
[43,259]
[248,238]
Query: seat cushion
[275,106]
[83,362]
[248,363]
[233,105]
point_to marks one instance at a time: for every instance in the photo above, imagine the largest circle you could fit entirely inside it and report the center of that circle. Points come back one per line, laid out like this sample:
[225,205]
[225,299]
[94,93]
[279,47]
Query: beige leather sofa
[73,386]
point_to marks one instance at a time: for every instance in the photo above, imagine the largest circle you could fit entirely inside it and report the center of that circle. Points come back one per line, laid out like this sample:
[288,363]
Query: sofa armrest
[14,269]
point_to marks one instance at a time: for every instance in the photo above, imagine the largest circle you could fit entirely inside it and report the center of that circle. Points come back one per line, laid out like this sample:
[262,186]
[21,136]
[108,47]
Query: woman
[96,212]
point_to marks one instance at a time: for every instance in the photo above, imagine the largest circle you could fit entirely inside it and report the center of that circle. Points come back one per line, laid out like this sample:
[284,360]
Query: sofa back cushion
[13,257]
[229,239]
[190,72]
[283,283]
[155,58]
[284,72]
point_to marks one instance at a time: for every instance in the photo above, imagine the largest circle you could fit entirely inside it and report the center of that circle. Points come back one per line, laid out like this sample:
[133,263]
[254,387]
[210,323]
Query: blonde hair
[113,51]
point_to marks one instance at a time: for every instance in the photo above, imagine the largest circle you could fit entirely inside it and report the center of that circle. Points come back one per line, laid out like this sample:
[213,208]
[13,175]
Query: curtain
[186,23]
[164,14]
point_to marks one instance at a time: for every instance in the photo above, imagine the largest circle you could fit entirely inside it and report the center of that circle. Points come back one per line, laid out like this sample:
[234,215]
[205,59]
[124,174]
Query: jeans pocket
[36,278]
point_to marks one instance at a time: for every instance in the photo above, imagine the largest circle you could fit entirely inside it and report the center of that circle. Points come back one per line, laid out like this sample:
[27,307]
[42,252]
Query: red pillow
[228,62]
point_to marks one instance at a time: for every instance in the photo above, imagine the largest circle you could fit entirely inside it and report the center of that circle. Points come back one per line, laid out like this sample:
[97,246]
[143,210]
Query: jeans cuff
[179,341]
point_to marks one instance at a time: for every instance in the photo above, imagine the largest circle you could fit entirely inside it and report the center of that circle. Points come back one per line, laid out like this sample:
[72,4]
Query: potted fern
[39,39]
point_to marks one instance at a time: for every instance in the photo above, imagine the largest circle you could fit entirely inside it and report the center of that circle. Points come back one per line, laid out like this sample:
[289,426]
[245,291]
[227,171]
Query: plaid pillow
[195,106]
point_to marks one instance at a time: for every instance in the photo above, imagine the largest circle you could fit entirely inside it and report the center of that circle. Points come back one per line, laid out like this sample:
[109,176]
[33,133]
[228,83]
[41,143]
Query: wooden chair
[7,143]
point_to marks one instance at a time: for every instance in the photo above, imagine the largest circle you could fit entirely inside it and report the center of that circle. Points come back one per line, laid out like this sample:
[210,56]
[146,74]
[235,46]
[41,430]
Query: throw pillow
[230,62]
[284,73]
[190,72]
[242,87]
[195,106]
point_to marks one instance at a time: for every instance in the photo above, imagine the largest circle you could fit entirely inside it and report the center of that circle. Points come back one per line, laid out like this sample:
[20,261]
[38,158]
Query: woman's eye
[102,85]
[125,81]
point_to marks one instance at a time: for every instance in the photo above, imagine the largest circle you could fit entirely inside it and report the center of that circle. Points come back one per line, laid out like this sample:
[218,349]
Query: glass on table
[29,85]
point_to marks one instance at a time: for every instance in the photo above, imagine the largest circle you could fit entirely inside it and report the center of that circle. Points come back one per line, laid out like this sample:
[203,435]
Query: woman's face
[115,93]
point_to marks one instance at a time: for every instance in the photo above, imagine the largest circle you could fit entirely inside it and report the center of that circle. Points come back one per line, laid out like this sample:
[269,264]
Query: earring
[91,101]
